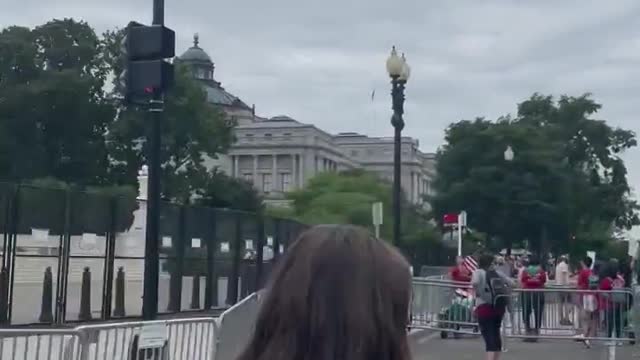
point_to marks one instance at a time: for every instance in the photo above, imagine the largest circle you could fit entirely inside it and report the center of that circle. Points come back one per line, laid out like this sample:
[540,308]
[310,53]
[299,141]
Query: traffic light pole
[151,253]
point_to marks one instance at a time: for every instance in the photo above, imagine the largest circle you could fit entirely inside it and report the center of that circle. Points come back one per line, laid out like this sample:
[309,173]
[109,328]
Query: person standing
[562,280]
[491,288]
[533,281]
[613,283]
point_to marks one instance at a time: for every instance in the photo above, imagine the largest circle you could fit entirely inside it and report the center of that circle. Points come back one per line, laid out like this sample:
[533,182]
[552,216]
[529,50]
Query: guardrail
[195,338]
[555,312]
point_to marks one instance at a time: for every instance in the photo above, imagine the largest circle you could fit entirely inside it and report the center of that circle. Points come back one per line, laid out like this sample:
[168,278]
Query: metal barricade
[553,313]
[237,326]
[444,306]
[194,338]
[562,313]
[35,344]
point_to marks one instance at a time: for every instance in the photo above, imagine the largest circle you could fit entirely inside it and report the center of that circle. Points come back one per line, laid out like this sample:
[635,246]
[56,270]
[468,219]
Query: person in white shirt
[562,280]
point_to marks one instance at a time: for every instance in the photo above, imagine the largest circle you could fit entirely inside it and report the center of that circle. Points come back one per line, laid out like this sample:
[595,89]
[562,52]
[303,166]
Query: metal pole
[151,253]
[396,185]
[459,235]
[397,96]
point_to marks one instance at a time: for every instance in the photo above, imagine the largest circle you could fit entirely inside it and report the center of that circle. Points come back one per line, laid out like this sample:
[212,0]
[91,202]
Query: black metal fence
[71,256]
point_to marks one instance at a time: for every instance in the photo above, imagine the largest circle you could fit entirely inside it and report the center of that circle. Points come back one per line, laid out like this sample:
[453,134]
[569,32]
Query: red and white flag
[470,264]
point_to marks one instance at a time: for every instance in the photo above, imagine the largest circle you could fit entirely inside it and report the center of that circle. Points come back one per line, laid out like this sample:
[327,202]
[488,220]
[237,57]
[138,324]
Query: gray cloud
[319,61]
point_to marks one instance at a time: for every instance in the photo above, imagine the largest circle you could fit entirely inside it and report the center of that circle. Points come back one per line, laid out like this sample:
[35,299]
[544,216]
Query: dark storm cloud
[319,61]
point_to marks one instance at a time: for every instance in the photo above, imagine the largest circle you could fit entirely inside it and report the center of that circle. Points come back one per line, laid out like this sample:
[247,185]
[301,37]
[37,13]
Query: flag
[470,264]
[373,94]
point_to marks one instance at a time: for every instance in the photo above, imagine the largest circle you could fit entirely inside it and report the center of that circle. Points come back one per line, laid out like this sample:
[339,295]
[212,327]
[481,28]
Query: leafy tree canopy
[566,176]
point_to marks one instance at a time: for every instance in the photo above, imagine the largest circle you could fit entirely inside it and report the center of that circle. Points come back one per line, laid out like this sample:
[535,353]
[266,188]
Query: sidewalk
[429,346]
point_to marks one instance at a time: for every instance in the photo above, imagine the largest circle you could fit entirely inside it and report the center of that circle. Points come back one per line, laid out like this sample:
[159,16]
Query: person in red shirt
[613,310]
[587,302]
[533,278]
[459,272]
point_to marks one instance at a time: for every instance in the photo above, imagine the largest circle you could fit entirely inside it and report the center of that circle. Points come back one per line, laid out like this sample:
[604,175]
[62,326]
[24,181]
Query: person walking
[491,288]
[337,293]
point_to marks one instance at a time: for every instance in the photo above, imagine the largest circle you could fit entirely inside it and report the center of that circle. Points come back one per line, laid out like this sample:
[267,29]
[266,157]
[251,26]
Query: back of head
[534,261]
[337,294]
[587,261]
[485,261]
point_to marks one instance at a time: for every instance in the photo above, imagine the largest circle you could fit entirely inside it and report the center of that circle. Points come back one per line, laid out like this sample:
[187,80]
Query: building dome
[195,53]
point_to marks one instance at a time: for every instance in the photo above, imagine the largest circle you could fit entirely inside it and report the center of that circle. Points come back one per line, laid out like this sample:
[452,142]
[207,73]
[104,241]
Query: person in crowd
[588,279]
[337,293]
[612,281]
[490,287]
[503,266]
[533,280]
[459,272]
[562,280]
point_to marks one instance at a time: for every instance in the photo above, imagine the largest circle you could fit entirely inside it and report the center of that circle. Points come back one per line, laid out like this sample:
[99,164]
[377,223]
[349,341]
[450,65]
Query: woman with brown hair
[337,294]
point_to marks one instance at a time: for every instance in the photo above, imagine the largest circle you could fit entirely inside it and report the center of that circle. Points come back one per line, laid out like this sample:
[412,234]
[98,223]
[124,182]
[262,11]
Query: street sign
[463,218]
[376,210]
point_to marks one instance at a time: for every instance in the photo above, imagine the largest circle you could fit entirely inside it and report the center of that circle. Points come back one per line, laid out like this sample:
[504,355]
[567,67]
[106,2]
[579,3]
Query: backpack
[594,282]
[497,288]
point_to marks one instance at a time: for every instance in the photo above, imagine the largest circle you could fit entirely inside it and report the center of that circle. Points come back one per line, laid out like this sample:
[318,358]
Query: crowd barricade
[564,313]
[236,327]
[194,338]
[443,305]
[28,344]
[555,312]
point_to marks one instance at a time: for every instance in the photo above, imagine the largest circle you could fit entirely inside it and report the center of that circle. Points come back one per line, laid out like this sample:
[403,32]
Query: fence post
[277,236]
[211,287]
[195,292]
[46,312]
[4,295]
[85,296]
[232,287]
[259,252]
[175,276]
[120,293]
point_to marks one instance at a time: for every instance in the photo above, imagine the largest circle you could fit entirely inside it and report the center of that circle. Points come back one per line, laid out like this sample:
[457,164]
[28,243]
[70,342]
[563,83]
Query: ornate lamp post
[508,157]
[399,72]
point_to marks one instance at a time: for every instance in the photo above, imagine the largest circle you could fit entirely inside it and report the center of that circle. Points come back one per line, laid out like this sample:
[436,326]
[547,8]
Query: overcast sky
[319,61]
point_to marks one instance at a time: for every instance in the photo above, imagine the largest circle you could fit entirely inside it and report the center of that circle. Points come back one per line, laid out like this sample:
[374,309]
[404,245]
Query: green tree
[346,198]
[223,191]
[193,131]
[53,111]
[566,175]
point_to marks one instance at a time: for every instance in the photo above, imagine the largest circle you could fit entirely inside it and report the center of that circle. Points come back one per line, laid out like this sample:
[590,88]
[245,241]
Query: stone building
[280,154]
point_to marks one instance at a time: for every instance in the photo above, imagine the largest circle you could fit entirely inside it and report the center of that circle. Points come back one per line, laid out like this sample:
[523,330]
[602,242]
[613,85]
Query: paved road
[428,346]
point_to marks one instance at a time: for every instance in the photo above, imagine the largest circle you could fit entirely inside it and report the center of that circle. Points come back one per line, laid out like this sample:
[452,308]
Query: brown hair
[337,294]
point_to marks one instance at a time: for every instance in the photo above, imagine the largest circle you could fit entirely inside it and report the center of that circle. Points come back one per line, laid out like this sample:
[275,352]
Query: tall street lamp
[508,157]
[399,72]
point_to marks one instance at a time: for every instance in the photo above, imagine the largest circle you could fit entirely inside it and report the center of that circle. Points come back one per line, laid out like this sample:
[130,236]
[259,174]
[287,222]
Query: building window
[266,183]
[287,134]
[248,135]
[285,181]
[248,177]
[268,136]
[354,152]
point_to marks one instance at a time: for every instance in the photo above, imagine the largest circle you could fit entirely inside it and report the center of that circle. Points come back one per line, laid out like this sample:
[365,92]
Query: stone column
[293,181]
[235,165]
[256,183]
[300,171]
[274,174]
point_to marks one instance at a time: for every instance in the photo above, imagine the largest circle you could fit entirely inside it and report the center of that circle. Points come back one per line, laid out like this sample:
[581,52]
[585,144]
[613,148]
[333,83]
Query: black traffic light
[144,49]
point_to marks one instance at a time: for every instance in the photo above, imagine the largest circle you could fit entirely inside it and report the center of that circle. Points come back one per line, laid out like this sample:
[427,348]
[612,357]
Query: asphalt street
[427,345]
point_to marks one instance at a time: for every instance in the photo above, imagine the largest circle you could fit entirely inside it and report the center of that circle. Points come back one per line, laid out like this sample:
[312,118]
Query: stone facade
[281,154]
